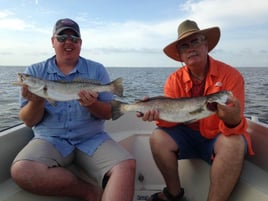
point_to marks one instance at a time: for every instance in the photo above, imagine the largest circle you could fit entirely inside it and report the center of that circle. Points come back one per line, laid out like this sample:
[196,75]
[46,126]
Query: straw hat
[188,28]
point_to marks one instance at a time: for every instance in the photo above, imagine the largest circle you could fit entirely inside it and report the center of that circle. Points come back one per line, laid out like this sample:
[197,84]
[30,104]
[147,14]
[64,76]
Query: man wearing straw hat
[221,140]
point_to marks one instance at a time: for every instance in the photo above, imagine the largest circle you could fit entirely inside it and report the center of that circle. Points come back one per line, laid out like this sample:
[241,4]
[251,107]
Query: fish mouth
[20,79]
[212,106]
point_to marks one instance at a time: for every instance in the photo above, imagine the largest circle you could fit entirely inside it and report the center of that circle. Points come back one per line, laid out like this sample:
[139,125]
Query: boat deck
[253,184]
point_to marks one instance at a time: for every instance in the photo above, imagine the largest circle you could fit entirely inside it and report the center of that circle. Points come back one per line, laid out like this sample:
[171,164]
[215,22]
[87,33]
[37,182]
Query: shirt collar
[213,68]
[54,69]
[212,72]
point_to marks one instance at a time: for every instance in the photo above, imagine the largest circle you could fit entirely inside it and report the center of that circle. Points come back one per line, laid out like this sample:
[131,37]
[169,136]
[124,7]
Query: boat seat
[194,173]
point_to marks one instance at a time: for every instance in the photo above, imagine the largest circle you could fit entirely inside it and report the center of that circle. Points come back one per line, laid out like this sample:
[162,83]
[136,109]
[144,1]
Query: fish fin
[138,100]
[78,80]
[117,86]
[159,98]
[84,80]
[116,109]
[152,99]
[44,88]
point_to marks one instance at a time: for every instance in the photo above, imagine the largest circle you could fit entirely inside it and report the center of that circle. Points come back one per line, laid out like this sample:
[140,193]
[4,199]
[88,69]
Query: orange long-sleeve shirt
[220,77]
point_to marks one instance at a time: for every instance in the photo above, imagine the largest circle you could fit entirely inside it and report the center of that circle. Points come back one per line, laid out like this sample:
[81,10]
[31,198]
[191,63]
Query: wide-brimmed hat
[188,28]
[66,23]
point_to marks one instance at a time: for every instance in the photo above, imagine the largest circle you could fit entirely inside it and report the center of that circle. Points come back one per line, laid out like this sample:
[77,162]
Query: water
[139,82]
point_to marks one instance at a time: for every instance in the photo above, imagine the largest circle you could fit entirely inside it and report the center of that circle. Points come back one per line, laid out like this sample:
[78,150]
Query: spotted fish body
[181,110]
[65,91]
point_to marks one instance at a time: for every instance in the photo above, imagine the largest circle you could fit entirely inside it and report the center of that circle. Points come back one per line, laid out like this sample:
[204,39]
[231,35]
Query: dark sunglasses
[63,37]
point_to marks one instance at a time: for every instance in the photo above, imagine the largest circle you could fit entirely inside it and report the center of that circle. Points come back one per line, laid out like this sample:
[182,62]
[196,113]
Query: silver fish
[63,90]
[183,110]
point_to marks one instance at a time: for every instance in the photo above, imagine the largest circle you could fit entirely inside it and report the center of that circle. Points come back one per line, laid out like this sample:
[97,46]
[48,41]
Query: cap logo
[67,22]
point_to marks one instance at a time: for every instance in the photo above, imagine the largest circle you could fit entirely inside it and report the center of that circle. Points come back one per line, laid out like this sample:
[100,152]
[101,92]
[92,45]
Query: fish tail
[117,87]
[117,109]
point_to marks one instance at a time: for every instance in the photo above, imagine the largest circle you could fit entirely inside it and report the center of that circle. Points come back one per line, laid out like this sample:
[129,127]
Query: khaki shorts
[95,167]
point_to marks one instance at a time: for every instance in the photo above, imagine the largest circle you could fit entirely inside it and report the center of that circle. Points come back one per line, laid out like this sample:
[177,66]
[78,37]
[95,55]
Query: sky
[133,33]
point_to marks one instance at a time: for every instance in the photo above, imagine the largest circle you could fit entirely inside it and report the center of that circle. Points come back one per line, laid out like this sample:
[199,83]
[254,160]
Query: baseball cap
[66,23]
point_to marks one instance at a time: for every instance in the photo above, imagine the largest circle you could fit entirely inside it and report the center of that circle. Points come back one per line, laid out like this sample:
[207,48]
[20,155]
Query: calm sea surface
[138,82]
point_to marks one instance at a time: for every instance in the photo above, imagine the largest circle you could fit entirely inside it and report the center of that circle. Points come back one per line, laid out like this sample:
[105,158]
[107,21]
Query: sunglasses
[194,43]
[63,37]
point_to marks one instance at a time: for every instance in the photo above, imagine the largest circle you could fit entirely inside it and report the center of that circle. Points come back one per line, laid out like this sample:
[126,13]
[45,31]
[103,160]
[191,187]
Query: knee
[17,171]
[157,138]
[126,166]
[23,173]
[234,145]
[130,164]
[237,143]
[160,139]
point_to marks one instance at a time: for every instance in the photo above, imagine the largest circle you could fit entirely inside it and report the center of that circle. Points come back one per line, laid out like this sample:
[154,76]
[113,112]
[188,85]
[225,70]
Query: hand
[87,97]
[151,115]
[230,113]
[29,95]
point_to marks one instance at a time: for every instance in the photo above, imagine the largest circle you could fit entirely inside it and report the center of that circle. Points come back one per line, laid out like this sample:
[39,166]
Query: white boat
[133,134]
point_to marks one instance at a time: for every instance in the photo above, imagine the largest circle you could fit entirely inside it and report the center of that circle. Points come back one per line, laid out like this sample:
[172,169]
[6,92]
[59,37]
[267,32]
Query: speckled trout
[65,90]
[181,110]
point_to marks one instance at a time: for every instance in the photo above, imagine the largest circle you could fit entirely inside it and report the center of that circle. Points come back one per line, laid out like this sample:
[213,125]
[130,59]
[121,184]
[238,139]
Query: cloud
[243,25]
[12,24]
[8,21]
[130,35]
[5,13]
[230,13]
[105,50]
[5,53]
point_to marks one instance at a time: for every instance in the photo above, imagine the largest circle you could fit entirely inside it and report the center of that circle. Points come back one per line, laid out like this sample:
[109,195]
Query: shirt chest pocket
[79,113]
[64,112]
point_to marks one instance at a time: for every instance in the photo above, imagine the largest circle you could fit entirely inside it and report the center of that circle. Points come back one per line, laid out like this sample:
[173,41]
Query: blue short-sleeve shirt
[68,125]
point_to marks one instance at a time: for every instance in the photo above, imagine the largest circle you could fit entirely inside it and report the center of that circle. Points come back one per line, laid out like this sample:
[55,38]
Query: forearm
[101,110]
[32,112]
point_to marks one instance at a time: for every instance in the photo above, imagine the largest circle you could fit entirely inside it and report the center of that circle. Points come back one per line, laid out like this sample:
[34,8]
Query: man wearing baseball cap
[222,139]
[71,132]
[64,24]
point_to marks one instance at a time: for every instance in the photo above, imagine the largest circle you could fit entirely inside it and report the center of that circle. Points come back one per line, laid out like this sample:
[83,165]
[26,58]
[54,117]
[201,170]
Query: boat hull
[134,134]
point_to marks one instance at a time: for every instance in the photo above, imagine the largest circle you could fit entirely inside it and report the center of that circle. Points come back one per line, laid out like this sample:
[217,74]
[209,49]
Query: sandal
[168,195]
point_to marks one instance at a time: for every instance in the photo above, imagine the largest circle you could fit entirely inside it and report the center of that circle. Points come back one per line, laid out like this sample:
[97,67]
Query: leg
[113,161]
[166,160]
[40,179]
[38,168]
[120,186]
[226,167]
